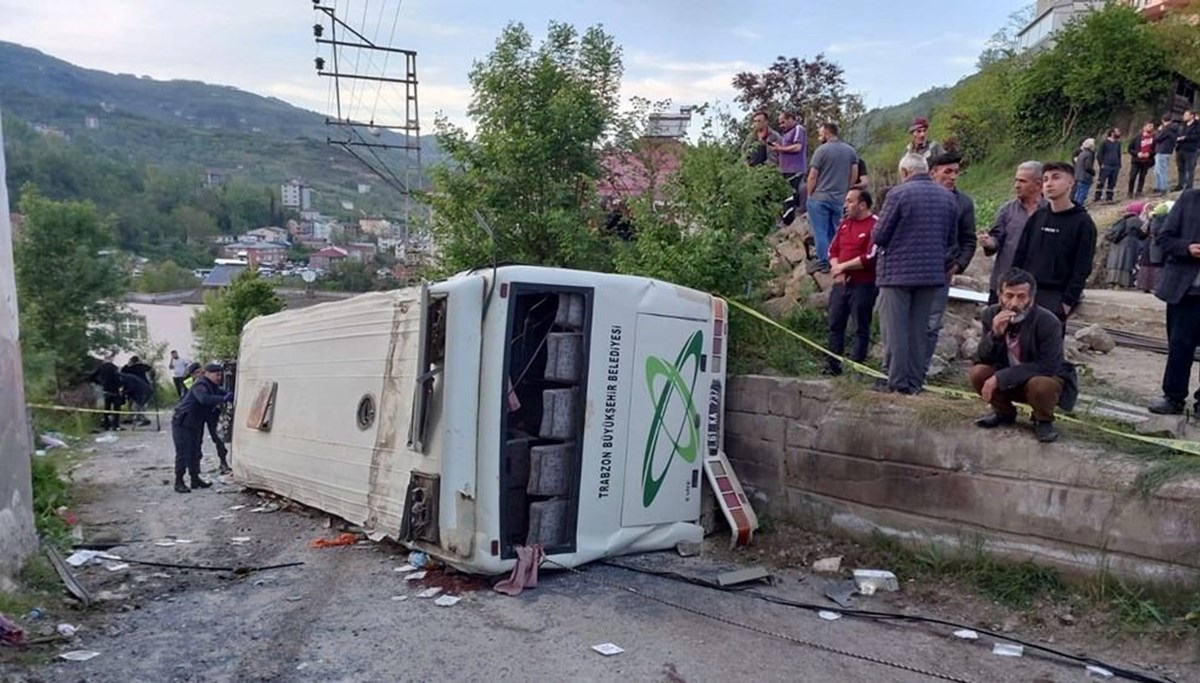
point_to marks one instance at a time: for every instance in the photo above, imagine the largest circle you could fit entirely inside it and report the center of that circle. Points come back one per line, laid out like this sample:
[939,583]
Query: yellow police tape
[1179,445]
[70,409]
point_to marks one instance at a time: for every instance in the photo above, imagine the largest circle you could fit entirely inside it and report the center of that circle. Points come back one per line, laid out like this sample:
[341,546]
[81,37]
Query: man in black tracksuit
[1058,244]
[1179,287]
[1187,149]
[187,425]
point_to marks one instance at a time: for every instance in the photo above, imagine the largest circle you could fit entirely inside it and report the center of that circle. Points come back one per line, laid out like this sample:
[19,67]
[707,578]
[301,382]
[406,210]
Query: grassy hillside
[191,124]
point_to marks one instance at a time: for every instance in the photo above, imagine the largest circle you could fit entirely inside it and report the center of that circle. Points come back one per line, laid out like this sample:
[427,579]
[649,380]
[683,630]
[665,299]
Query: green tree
[530,169]
[708,233]
[167,276]
[193,226]
[219,324]
[69,290]
[1107,61]
[347,275]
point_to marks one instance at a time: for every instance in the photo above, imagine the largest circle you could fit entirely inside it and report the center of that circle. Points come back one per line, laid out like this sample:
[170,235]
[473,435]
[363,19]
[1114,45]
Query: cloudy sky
[686,51]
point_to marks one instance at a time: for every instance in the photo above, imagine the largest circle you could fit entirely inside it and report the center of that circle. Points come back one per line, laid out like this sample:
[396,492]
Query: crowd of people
[898,255]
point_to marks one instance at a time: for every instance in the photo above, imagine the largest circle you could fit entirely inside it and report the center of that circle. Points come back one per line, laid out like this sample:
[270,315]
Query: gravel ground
[346,615]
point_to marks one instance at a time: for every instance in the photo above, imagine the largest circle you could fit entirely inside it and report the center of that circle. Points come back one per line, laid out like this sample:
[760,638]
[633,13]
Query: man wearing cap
[187,424]
[211,423]
[920,143]
[945,169]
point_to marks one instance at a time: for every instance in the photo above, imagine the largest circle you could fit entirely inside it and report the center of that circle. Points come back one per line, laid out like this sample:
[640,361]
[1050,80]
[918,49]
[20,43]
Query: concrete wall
[17,537]
[918,470]
[169,323]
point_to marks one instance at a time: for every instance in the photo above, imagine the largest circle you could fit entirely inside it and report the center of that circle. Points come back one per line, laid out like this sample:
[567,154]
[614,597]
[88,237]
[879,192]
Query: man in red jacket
[852,265]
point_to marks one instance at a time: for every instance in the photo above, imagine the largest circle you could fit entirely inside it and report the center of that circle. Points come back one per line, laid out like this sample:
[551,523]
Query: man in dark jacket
[1058,244]
[187,425]
[1085,170]
[915,236]
[1110,165]
[1187,149]
[1021,359]
[1165,140]
[945,168]
[108,376]
[1179,286]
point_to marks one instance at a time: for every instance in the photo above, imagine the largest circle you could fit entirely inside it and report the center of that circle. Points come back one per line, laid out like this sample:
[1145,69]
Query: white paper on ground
[1098,672]
[966,634]
[447,601]
[429,592]
[829,616]
[1008,650]
[79,655]
[608,649]
[405,568]
[415,576]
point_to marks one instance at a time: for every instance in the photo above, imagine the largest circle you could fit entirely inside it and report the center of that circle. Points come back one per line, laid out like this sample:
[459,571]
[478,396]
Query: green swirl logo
[667,384]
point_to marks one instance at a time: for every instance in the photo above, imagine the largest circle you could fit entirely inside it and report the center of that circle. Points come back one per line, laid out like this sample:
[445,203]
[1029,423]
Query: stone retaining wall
[916,469]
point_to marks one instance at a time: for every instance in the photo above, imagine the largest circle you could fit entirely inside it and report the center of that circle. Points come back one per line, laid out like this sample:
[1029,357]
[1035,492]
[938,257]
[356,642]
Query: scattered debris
[165,544]
[687,548]
[608,649]
[36,613]
[240,540]
[78,655]
[82,557]
[871,580]
[1008,650]
[429,592]
[10,633]
[343,539]
[415,576]
[842,592]
[447,601]
[67,630]
[235,508]
[418,559]
[1098,672]
[51,441]
[524,573]
[1011,623]
[107,438]
[116,566]
[1067,619]
[399,598]
[40,453]
[184,540]
[746,575]
[405,568]
[377,536]
[829,565]
[1096,338]
[64,572]
[829,616]
[966,634]
[269,507]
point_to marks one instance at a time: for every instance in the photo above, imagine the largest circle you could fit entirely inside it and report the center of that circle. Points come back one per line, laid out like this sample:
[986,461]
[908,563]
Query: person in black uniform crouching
[187,425]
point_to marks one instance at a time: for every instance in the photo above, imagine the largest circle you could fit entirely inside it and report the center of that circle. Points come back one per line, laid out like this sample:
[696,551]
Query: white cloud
[745,33]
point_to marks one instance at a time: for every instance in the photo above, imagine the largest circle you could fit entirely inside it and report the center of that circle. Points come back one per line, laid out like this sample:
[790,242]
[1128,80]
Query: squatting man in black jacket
[187,425]
[1021,359]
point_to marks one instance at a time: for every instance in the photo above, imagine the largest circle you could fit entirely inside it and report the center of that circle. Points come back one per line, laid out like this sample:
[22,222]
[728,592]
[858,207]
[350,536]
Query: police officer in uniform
[187,425]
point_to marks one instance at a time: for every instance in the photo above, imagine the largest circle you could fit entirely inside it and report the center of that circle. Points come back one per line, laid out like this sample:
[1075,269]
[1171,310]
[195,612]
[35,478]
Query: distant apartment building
[326,257]
[267,234]
[296,194]
[1051,17]
[257,253]
[361,252]
[378,227]
[1157,9]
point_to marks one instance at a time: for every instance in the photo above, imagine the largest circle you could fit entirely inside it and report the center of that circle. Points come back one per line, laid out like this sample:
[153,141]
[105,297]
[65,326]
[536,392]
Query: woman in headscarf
[1123,246]
[1151,261]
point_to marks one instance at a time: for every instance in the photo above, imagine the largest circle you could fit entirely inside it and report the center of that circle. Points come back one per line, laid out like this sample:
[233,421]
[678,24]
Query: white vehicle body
[504,407]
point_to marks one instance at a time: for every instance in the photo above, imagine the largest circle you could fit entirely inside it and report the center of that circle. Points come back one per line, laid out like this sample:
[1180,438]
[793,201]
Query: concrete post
[17,536]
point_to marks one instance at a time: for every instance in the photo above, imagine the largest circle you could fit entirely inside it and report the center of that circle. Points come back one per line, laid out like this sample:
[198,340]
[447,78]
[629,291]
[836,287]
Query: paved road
[335,619]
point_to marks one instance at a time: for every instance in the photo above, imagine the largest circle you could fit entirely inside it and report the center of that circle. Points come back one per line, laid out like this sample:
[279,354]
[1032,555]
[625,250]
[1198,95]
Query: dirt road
[346,615]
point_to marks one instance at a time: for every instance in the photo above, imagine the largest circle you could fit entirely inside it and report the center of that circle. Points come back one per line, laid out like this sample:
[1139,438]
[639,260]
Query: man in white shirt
[178,366]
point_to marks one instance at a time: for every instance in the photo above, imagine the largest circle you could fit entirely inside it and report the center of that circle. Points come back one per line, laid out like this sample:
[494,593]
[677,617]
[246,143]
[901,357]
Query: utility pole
[384,139]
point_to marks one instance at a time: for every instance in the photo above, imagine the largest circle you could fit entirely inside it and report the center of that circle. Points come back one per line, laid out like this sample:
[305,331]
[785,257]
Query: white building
[296,194]
[1050,18]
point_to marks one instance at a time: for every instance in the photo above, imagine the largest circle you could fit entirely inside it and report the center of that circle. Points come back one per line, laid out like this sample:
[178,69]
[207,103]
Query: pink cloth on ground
[525,573]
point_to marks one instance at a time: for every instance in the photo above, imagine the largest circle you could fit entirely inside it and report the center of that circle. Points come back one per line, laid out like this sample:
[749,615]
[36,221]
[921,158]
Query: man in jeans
[1187,148]
[831,174]
[1164,146]
[793,163]
[1179,286]
[852,265]
[915,236]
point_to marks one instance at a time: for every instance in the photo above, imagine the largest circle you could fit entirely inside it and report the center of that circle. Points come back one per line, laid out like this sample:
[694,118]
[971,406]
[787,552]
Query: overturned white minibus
[504,407]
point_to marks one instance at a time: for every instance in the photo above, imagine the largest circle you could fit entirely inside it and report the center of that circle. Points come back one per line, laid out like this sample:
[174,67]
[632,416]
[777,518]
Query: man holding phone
[1021,359]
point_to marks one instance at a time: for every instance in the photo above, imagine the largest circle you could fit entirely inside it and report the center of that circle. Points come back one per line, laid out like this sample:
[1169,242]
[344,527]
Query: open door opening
[546,360]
